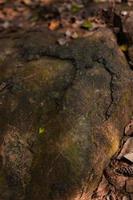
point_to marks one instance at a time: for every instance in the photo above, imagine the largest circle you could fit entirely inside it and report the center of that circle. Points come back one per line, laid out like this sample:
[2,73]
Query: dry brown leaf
[62,41]
[129,128]
[27,2]
[54,24]
[127,148]
[129,185]
[129,156]
[114,178]
[125,198]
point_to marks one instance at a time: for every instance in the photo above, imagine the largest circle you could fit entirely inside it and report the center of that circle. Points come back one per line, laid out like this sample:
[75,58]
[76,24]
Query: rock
[63,110]
[102,190]
[128,25]
[130,53]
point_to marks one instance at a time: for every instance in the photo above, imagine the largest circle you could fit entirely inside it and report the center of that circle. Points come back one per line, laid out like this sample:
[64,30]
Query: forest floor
[71,18]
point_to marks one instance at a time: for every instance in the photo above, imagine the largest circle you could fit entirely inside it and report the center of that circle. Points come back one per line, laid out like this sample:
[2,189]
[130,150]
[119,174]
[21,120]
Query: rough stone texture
[130,53]
[63,110]
[128,25]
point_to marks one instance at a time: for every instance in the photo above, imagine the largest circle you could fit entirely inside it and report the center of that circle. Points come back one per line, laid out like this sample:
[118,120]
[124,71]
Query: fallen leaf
[129,128]
[68,33]
[6,24]
[129,156]
[74,35]
[87,24]
[127,148]
[124,12]
[27,2]
[62,41]
[54,24]
[76,8]
[126,171]
[129,185]
[125,198]
[71,34]
[41,130]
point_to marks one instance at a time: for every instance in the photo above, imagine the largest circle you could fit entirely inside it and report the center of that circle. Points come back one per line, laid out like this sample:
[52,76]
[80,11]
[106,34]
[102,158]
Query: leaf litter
[117,180]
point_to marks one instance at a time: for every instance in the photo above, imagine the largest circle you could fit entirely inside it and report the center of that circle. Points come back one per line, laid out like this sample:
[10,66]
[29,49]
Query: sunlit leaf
[41,131]
[87,25]
[54,24]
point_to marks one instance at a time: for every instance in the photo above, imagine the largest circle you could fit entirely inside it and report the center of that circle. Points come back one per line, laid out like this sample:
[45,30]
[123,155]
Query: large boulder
[63,110]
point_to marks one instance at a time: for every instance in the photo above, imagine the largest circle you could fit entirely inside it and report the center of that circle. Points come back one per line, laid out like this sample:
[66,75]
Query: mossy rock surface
[63,110]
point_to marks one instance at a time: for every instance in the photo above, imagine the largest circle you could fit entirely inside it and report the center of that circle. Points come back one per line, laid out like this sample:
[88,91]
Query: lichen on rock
[80,95]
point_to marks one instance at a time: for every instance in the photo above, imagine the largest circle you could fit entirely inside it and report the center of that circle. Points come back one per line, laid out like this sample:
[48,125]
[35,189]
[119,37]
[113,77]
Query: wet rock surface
[63,109]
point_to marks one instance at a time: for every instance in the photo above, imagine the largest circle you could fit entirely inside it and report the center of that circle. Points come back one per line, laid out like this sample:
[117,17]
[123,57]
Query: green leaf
[87,25]
[41,131]
[76,7]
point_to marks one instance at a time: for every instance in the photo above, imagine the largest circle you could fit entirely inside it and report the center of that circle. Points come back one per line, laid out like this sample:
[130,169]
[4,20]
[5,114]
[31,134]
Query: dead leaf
[129,156]
[71,34]
[125,198]
[62,41]
[76,7]
[127,148]
[129,185]
[27,2]
[54,24]
[74,35]
[129,128]
[68,33]
[126,171]
[87,24]
[113,176]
